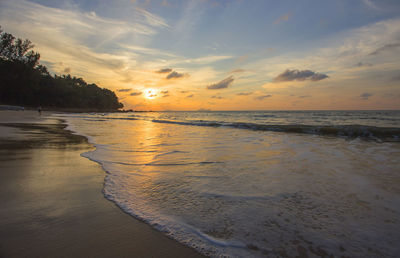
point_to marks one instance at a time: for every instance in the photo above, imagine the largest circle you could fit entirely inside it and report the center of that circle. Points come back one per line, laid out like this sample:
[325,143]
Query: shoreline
[50,208]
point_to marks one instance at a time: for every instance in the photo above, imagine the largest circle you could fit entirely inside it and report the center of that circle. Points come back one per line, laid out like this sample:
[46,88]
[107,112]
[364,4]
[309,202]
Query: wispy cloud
[146,51]
[283,18]
[225,83]
[217,97]
[152,19]
[263,97]
[386,48]
[124,90]
[137,93]
[371,4]
[297,75]
[207,59]
[244,93]
[238,71]
[91,45]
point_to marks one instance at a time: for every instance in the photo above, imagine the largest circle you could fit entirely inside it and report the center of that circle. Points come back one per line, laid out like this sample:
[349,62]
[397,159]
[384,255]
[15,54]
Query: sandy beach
[51,198]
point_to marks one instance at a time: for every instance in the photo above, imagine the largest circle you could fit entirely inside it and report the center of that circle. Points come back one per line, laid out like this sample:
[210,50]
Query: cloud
[283,18]
[263,97]
[241,59]
[365,95]
[174,75]
[184,91]
[244,93]
[216,97]
[225,83]
[238,71]
[95,47]
[124,90]
[206,59]
[67,70]
[190,96]
[361,64]
[138,93]
[164,70]
[145,50]
[152,19]
[370,4]
[297,75]
[165,93]
[385,48]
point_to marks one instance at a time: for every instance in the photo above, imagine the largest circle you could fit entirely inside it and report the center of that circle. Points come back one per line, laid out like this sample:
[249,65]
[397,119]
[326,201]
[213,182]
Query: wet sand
[51,201]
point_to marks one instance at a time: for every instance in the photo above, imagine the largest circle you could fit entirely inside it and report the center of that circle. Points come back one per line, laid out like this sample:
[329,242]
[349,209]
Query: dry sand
[51,201]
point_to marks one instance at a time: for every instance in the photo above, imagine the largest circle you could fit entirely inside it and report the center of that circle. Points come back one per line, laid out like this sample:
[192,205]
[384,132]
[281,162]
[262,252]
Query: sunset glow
[221,55]
[150,94]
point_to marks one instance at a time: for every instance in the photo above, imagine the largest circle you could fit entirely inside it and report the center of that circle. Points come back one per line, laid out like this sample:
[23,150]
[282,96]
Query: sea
[255,183]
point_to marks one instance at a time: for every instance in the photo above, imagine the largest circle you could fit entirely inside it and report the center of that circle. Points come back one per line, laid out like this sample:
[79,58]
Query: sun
[150,93]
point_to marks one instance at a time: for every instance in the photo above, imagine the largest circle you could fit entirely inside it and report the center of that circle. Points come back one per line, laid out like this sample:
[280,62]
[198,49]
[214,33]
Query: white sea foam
[239,193]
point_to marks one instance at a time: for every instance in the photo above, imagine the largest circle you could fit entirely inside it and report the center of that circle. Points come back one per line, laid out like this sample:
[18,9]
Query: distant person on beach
[39,110]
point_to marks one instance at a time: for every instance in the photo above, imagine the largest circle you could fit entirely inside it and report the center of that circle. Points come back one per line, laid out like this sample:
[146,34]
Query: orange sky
[221,55]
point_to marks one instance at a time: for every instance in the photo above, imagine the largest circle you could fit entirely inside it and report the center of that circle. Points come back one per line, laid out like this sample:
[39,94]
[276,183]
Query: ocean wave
[155,164]
[351,131]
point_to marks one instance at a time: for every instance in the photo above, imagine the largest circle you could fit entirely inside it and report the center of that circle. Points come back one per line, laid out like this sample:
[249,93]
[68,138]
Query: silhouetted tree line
[25,82]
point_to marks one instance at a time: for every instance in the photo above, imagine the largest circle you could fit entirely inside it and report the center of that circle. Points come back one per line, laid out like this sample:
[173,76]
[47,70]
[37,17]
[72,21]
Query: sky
[221,54]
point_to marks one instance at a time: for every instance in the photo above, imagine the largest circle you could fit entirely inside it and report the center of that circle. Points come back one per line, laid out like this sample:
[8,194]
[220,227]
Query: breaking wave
[351,131]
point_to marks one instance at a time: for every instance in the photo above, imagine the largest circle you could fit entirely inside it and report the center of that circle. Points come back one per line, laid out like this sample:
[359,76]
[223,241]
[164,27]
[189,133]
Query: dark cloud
[184,91]
[190,96]
[244,93]
[136,93]
[225,83]
[124,90]
[365,95]
[304,96]
[165,93]
[174,75]
[67,70]
[361,64]
[263,97]
[297,75]
[165,70]
[385,48]
[216,97]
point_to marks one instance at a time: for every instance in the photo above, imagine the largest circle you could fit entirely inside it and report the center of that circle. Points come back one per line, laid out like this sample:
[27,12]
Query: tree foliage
[23,81]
